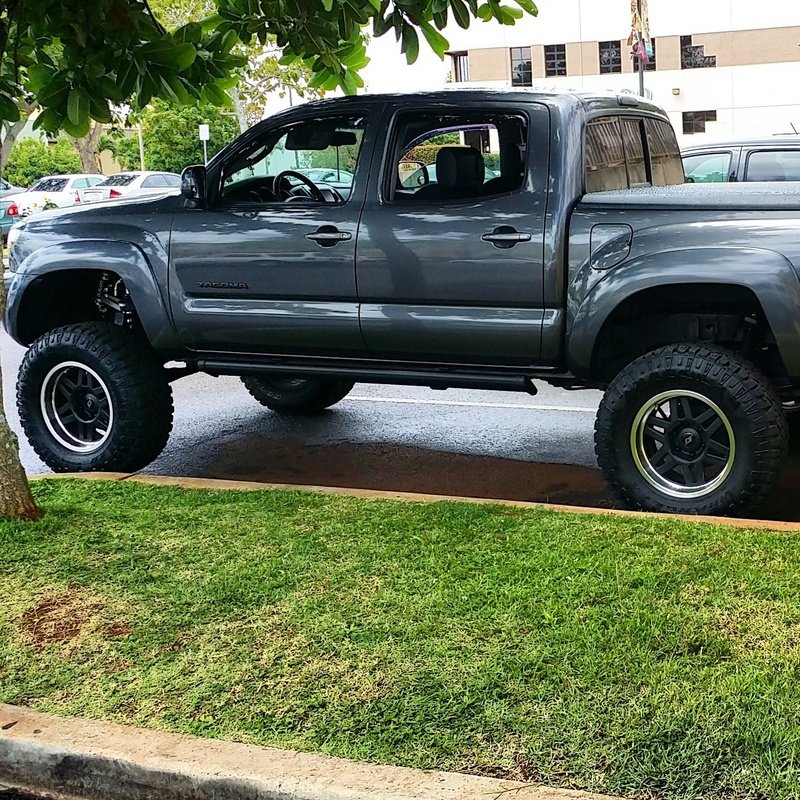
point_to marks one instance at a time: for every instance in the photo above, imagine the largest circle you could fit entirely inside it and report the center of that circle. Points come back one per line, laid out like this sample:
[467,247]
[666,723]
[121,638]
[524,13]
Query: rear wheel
[691,429]
[299,396]
[94,397]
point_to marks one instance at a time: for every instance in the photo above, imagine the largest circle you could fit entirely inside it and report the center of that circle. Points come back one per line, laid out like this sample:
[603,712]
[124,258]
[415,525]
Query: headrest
[459,168]
[765,169]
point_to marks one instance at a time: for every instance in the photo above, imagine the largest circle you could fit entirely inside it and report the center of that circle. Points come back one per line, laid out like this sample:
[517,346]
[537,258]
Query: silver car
[133,184]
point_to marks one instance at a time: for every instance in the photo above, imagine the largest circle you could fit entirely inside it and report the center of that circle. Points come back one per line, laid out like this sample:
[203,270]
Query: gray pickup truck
[473,239]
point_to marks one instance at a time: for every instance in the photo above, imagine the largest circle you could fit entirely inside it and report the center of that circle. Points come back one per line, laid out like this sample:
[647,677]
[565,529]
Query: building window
[521,66]
[651,64]
[693,56]
[555,60]
[610,57]
[695,121]
[460,67]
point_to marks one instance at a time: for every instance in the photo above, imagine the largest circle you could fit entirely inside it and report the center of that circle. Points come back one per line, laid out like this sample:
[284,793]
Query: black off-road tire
[297,396]
[743,394]
[137,389]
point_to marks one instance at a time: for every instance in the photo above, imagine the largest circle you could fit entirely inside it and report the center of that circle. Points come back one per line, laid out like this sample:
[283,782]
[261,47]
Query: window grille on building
[521,66]
[693,56]
[555,60]
[610,57]
[695,121]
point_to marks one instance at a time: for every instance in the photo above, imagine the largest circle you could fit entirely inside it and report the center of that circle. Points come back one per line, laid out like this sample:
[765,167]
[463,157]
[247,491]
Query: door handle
[328,236]
[504,236]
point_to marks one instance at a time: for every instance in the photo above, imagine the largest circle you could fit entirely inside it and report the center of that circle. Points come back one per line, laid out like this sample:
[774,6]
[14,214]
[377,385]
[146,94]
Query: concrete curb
[413,497]
[90,760]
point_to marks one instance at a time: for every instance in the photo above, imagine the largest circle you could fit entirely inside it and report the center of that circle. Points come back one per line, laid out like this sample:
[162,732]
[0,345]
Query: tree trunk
[239,109]
[87,149]
[16,500]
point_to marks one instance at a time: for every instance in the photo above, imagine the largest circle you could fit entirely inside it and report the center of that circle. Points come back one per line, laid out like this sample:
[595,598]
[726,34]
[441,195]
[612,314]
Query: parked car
[775,158]
[132,184]
[7,189]
[9,214]
[331,176]
[60,190]
[588,263]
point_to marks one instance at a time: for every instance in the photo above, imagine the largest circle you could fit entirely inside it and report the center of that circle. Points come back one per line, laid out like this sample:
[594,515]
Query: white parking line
[465,404]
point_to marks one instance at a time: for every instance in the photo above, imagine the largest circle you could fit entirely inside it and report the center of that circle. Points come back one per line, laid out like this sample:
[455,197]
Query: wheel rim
[683,444]
[76,406]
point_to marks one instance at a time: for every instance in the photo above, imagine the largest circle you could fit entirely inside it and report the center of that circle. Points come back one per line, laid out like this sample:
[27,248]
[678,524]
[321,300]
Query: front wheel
[691,429]
[297,396]
[93,397]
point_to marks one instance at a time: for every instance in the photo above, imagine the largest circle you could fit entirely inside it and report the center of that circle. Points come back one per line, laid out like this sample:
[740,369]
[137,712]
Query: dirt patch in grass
[65,616]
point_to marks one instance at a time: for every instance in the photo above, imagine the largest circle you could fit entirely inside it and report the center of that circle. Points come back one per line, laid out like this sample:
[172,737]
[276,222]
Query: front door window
[311,161]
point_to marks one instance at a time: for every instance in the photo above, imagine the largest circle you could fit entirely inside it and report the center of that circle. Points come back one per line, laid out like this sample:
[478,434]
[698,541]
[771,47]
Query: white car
[132,184]
[60,190]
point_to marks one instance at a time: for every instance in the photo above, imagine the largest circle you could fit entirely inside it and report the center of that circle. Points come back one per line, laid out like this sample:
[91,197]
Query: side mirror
[193,186]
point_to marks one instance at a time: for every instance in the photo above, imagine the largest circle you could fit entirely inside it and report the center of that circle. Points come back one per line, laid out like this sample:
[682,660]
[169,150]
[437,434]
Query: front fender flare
[123,258]
[769,275]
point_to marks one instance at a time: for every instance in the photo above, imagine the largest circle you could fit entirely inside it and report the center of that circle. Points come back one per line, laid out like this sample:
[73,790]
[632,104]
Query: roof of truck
[548,96]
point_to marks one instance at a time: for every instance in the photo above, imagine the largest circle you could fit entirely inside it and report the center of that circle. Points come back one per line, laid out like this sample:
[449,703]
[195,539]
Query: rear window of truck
[624,152]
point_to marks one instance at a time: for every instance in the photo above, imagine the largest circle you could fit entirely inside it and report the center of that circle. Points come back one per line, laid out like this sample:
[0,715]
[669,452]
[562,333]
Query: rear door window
[153,181]
[707,167]
[454,157]
[773,165]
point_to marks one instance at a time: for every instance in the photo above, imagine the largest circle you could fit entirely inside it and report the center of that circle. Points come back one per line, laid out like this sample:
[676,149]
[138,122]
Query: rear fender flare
[767,274]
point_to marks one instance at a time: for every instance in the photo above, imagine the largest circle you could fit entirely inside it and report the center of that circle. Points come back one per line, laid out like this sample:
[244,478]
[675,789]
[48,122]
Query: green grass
[644,657]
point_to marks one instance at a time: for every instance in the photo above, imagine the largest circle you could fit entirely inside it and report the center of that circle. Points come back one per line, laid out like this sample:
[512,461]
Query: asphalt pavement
[484,444]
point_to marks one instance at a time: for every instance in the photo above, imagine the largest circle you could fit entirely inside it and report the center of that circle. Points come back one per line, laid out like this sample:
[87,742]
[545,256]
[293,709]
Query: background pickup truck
[544,237]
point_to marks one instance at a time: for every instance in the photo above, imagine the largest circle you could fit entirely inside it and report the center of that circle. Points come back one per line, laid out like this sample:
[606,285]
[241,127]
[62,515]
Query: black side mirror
[193,186]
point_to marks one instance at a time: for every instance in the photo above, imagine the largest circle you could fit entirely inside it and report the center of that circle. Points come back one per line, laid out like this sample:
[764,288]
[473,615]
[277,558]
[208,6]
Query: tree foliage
[32,159]
[77,58]
[170,135]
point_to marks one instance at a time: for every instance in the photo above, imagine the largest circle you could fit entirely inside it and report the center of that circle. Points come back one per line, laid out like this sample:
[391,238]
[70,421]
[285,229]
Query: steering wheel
[283,193]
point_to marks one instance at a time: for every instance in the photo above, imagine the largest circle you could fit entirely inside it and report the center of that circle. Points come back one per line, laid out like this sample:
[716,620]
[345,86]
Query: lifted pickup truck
[586,262]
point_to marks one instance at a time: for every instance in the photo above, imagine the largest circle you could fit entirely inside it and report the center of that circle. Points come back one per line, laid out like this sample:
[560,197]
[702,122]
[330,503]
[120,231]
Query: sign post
[205,135]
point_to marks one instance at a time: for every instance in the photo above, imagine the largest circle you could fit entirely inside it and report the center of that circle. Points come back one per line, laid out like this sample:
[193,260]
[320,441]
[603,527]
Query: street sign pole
[641,45]
[205,135]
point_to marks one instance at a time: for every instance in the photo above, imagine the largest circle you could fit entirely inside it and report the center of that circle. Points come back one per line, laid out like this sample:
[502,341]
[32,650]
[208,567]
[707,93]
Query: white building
[723,68]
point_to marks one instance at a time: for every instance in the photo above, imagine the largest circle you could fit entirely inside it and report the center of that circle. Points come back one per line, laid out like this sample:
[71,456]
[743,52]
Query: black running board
[434,378]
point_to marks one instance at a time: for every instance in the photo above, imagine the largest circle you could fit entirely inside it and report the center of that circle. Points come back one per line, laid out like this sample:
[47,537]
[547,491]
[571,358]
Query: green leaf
[348,83]
[183,55]
[192,33]
[484,12]
[9,112]
[216,96]
[49,120]
[435,40]
[410,43]
[54,92]
[78,130]
[78,107]
[327,5]
[38,76]
[99,110]
[460,12]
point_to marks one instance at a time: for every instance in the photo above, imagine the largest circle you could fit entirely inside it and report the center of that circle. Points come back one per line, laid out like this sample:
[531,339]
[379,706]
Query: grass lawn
[643,657]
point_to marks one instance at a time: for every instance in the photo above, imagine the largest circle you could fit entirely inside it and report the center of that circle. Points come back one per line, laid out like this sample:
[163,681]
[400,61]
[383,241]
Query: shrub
[31,159]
